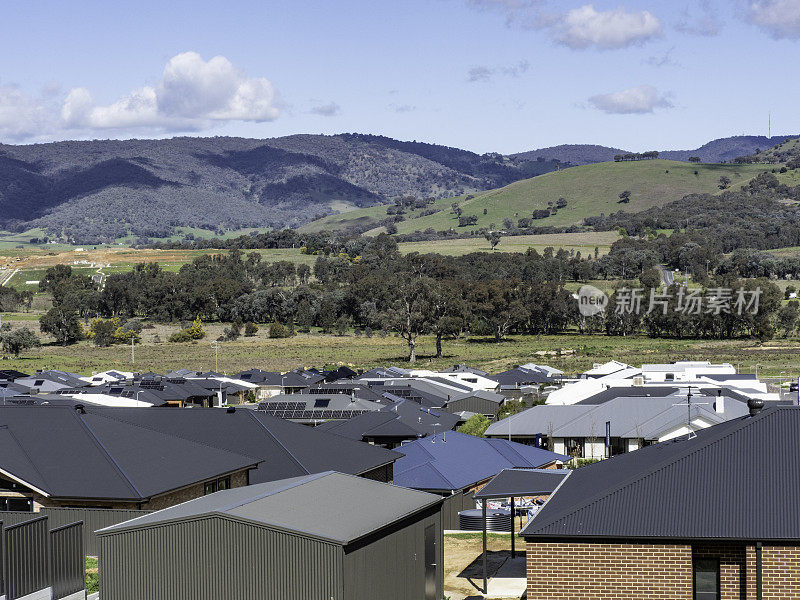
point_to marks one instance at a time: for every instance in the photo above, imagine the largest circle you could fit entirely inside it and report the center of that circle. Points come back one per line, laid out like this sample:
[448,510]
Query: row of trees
[379,289]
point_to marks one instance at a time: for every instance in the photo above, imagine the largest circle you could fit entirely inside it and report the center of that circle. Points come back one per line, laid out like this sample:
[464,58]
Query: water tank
[497,519]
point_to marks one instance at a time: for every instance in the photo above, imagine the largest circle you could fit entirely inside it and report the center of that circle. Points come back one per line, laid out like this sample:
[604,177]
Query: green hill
[589,190]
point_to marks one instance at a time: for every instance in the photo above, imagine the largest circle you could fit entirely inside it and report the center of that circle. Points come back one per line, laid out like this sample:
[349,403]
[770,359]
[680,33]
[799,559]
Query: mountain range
[101,190]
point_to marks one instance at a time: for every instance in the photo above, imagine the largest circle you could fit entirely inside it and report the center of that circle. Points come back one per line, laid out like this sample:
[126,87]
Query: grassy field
[589,191]
[584,242]
[570,352]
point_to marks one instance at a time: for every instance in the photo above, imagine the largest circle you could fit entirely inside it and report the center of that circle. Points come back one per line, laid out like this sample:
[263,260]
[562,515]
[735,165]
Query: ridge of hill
[715,151]
[102,190]
[587,191]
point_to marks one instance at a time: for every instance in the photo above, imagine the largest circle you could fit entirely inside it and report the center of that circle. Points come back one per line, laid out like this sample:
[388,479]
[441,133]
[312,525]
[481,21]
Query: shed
[315,537]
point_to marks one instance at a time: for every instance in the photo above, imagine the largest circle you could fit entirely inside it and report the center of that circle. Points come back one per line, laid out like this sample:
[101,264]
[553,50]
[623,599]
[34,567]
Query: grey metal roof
[329,506]
[68,454]
[630,417]
[482,394]
[522,482]
[737,480]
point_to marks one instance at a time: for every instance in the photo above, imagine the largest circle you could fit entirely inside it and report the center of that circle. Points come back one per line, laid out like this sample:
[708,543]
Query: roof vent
[80,409]
[230,410]
[755,406]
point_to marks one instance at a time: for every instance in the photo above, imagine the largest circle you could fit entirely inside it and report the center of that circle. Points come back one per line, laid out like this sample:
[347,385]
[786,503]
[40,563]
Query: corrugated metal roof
[455,461]
[737,480]
[331,506]
[523,482]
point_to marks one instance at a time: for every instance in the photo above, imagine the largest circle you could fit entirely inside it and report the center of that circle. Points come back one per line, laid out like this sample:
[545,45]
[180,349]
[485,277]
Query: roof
[97,456]
[320,407]
[456,461]
[630,417]
[404,419]
[737,480]
[522,376]
[480,394]
[522,482]
[303,505]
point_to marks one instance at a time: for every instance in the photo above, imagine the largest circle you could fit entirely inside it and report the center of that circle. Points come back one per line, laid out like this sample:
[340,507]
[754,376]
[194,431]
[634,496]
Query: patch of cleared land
[584,242]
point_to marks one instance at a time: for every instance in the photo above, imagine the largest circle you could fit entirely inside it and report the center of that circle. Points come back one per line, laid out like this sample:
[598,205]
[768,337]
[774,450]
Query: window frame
[716,561]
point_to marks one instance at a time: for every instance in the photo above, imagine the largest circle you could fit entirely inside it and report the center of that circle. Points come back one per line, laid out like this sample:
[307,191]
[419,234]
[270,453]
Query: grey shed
[327,536]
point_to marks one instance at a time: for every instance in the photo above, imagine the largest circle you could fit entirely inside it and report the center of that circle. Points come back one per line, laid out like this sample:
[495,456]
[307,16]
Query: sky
[484,75]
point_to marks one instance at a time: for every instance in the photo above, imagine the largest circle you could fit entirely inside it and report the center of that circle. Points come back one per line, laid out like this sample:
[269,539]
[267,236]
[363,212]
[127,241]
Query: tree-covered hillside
[105,189]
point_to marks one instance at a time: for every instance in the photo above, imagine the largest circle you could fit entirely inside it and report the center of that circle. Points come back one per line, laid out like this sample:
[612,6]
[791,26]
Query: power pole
[133,354]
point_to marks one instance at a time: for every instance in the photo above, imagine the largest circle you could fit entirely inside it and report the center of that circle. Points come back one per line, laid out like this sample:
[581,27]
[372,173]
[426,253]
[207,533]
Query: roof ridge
[107,454]
[306,479]
[277,441]
[25,454]
[658,467]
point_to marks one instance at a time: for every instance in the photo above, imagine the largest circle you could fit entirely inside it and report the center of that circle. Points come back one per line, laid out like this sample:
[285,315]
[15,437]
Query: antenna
[688,405]
[769,125]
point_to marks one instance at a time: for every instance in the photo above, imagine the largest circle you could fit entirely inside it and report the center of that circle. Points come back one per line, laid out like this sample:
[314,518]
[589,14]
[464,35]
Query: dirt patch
[463,565]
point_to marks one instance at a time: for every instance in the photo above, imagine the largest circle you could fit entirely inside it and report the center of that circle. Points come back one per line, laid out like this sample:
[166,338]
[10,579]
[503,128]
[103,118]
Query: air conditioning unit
[638,381]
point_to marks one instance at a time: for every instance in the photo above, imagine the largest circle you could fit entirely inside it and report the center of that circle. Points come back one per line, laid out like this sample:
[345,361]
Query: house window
[669,377]
[224,483]
[210,488]
[706,579]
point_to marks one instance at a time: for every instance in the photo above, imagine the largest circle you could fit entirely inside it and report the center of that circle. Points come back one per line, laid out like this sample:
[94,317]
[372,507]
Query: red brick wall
[566,571]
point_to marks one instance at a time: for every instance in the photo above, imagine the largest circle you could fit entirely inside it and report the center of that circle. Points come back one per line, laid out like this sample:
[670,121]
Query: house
[69,456]
[51,381]
[404,420]
[314,537]
[708,516]
[526,375]
[271,384]
[455,465]
[313,409]
[682,373]
[631,421]
[108,377]
[103,457]
[480,402]
[11,374]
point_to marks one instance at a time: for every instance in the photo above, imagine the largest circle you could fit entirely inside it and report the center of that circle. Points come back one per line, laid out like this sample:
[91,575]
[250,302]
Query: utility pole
[133,354]
[215,346]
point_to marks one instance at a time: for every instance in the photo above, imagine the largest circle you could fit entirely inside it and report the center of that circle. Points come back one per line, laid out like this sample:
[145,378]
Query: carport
[516,483]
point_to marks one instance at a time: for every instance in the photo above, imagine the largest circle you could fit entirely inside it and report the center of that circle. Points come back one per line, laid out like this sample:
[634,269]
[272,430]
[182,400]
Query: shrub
[279,330]
[194,332]
[250,329]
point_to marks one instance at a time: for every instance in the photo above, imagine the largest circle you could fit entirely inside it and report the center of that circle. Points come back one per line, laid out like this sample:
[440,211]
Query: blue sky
[485,75]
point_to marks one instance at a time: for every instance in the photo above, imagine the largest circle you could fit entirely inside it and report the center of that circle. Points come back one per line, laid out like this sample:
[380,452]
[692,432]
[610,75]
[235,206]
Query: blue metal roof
[456,461]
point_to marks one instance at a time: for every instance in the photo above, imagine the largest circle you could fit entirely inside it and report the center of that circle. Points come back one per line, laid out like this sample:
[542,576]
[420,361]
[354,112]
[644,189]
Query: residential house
[702,517]
[580,430]
[403,421]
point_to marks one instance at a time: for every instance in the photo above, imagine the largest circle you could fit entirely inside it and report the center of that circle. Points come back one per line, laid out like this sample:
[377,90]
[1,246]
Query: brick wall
[589,571]
[780,569]
[238,479]
[566,571]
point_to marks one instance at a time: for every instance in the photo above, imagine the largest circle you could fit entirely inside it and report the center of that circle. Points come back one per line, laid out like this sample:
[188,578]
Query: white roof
[611,366]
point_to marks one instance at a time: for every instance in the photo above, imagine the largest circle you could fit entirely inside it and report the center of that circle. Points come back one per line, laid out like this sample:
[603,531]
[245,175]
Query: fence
[34,559]
[67,560]
[26,565]
[92,518]
[452,506]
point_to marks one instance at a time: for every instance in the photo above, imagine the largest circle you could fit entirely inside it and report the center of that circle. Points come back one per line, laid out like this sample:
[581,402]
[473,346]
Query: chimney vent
[231,409]
[755,406]
[80,409]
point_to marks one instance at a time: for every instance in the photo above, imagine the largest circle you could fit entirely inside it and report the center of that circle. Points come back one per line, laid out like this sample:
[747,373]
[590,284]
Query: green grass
[570,352]
[589,191]
[584,242]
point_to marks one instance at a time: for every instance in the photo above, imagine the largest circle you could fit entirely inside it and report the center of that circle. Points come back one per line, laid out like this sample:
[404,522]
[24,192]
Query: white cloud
[21,115]
[327,110]
[779,18]
[585,27]
[639,100]
[192,94]
[579,28]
